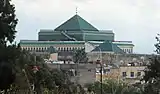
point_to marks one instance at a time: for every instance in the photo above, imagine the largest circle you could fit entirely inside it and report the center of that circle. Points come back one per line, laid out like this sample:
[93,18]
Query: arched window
[29,49]
[42,49]
[64,49]
[61,48]
[67,48]
[32,49]
[37,49]
[71,48]
[46,49]
[131,50]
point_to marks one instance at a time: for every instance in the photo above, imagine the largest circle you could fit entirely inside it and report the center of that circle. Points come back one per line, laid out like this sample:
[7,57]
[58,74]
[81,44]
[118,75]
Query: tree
[52,80]
[13,60]
[111,86]
[42,78]
[152,72]
[8,23]
[80,56]
[8,57]
[9,77]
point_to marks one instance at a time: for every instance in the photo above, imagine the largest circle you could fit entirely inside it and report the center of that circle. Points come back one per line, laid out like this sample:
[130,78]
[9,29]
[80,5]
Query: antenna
[76,10]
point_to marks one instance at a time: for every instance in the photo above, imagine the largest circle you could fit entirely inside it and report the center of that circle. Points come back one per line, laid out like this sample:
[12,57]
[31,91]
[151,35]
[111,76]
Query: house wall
[134,69]
[112,74]
[86,72]
[132,73]
[118,74]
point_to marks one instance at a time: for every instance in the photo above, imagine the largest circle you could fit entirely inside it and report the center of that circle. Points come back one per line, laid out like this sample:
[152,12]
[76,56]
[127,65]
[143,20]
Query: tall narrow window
[132,74]
[124,74]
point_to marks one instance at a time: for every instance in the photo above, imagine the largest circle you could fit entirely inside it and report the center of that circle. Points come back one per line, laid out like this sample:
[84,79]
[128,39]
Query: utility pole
[77,75]
[79,58]
[101,78]
[101,68]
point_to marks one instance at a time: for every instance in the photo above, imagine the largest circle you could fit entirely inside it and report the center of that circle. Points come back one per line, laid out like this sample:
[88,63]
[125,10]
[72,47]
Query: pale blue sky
[133,20]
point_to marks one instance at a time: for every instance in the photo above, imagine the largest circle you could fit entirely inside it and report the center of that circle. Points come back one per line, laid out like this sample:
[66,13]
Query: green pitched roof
[108,47]
[76,23]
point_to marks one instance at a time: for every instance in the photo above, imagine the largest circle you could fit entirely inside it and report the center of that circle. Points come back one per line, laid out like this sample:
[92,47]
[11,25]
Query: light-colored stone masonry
[118,58]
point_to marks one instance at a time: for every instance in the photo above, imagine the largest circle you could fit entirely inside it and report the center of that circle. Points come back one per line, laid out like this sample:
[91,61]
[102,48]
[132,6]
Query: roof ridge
[78,21]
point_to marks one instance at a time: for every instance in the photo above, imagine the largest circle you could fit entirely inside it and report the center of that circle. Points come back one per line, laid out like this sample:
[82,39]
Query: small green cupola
[108,46]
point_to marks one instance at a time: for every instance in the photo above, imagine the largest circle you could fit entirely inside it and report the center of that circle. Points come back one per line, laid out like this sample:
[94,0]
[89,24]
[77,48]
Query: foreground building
[75,34]
[130,73]
[84,74]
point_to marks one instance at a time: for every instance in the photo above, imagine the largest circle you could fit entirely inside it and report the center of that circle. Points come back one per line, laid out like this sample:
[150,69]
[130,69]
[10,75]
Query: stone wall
[86,72]
[118,58]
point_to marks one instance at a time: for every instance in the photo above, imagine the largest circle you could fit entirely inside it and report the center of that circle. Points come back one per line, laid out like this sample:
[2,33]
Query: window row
[132,74]
[103,71]
[68,48]
[41,49]
[128,50]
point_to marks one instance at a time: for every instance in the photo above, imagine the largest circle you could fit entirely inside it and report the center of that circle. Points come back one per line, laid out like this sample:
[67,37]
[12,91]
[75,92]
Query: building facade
[76,34]
[86,72]
[127,73]
[132,74]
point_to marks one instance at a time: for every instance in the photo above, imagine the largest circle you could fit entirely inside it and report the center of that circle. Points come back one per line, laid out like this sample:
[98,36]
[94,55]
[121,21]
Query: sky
[130,20]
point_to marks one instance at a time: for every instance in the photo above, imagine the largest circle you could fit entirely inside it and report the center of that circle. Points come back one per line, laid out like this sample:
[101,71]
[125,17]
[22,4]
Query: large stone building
[76,34]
